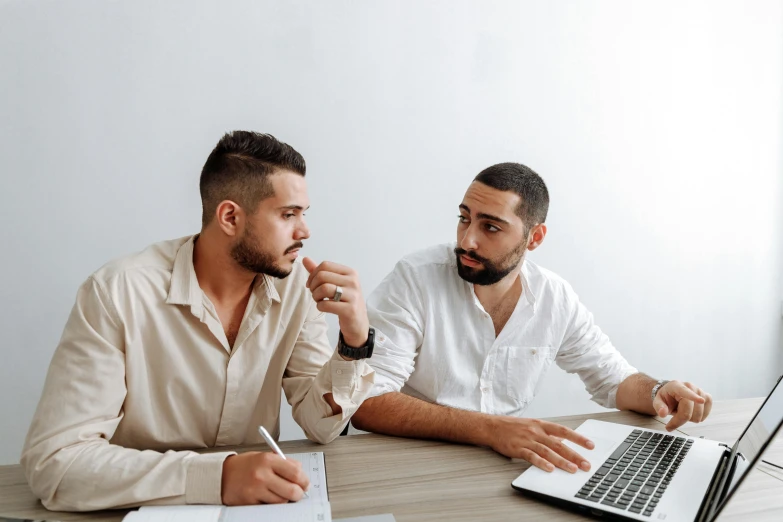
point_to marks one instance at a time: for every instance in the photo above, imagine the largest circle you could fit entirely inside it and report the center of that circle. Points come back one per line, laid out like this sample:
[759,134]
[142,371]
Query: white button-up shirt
[436,342]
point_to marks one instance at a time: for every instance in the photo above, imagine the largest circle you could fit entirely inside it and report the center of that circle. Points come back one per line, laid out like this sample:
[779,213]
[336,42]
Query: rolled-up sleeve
[395,311]
[316,369]
[589,353]
[67,458]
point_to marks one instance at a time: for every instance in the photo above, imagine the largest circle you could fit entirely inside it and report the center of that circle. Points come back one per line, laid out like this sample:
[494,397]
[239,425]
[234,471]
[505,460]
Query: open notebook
[314,508]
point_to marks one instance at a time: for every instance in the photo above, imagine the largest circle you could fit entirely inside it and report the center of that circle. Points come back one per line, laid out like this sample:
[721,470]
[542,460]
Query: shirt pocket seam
[536,360]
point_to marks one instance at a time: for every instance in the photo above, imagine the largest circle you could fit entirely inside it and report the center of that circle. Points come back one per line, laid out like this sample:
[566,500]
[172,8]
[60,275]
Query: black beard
[256,261]
[490,273]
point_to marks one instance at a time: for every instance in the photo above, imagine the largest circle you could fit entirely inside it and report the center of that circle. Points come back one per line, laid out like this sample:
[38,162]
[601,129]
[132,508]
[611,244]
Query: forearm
[86,476]
[323,405]
[634,394]
[404,416]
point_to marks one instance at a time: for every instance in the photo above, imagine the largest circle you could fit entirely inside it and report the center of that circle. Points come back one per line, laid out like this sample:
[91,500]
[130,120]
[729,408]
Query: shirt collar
[185,289]
[524,274]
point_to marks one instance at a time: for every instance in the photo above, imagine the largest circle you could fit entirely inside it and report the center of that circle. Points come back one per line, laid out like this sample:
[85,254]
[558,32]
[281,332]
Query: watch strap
[658,386]
[362,352]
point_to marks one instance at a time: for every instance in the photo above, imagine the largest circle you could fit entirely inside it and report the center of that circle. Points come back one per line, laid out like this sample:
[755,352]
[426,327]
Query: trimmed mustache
[293,247]
[462,252]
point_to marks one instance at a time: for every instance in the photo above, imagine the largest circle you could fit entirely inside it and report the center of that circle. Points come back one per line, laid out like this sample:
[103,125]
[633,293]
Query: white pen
[272,444]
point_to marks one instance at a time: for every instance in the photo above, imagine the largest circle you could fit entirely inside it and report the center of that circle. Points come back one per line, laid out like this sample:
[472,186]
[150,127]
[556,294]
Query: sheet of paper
[175,514]
[314,507]
[294,512]
[314,466]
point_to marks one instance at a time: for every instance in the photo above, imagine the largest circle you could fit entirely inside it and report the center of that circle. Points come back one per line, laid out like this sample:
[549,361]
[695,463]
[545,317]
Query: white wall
[658,128]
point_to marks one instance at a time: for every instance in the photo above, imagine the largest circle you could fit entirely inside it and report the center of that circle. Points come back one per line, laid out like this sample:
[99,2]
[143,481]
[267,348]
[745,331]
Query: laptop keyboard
[636,475]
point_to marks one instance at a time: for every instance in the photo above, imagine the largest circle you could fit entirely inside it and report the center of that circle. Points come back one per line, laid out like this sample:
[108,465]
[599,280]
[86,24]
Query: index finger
[291,471]
[686,393]
[683,415]
[329,266]
[567,433]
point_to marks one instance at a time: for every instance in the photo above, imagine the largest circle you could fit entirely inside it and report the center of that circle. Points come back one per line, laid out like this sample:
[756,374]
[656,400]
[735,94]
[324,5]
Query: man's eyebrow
[293,207]
[482,215]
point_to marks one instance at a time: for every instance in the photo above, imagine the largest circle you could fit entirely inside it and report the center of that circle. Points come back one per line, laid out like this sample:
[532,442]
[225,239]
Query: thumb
[309,264]
[660,407]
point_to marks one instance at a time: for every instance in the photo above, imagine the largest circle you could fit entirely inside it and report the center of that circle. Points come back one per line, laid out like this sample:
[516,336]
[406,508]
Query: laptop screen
[757,434]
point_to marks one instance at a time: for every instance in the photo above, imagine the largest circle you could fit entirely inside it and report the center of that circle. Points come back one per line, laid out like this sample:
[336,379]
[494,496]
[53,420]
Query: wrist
[356,340]
[655,389]
[488,429]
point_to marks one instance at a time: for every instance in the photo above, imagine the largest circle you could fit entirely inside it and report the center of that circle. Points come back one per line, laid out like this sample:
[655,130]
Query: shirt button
[533,351]
[339,372]
[485,390]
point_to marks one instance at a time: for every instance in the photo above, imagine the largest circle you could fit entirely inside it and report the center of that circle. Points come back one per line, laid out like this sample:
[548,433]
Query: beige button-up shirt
[144,374]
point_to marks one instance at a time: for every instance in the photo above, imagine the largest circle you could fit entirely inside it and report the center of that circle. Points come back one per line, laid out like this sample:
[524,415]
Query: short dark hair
[239,167]
[522,180]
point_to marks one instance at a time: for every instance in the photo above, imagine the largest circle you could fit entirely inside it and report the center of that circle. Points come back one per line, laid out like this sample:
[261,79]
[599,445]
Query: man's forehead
[482,198]
[290,189]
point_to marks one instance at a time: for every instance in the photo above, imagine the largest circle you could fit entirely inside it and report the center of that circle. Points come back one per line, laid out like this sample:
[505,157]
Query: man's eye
[462,219]
[289,216]
[492,228]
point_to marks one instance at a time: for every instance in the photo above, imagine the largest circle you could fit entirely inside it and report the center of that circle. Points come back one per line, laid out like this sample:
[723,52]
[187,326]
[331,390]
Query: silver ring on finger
[338,294]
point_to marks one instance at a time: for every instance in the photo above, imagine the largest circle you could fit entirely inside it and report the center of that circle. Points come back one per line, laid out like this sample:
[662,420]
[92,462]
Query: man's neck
[510,286]
[218,274]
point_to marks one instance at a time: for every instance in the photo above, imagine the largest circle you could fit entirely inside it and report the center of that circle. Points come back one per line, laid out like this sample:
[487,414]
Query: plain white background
[658,127]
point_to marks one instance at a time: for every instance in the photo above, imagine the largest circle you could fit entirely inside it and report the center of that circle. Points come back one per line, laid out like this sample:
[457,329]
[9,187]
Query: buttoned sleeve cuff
[204,478]
[352,382]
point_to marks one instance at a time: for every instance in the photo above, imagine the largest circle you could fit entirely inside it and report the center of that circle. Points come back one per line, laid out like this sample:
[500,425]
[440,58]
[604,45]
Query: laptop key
[635,510]
[617,453]
[612,504]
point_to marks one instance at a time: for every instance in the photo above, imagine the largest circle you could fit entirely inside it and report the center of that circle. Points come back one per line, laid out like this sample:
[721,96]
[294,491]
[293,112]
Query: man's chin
[469,274]
[278,271]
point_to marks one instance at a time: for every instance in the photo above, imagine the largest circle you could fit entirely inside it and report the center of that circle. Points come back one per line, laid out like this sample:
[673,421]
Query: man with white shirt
[465,333]
[189,344]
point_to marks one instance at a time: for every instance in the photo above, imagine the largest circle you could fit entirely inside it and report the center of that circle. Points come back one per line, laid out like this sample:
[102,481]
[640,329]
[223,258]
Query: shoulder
[157,258]
[546,284]
[437,258]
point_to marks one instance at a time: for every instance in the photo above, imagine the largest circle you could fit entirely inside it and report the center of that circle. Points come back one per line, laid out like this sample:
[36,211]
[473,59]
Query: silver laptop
[640,474]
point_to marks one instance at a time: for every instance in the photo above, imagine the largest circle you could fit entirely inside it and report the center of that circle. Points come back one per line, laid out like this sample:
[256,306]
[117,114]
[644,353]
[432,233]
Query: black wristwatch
[362,352]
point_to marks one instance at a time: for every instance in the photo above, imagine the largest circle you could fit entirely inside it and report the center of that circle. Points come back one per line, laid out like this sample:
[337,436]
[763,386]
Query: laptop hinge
[720,484]
[713,497]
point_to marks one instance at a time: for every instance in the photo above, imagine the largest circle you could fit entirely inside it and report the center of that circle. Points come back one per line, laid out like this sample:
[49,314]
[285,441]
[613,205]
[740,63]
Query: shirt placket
[486,380]
[235,369]
[226,430]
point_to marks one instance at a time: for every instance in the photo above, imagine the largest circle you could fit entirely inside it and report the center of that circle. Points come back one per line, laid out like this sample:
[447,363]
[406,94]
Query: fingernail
[590,444]
[585,465]
[572,468]
[550,467]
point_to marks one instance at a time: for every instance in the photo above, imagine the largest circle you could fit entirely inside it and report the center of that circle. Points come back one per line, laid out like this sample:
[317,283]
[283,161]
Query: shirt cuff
[611,400]
[352,381]
[204,477]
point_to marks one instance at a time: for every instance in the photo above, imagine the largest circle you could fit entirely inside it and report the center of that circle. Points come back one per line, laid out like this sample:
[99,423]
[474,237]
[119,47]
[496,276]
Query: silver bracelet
[658,386]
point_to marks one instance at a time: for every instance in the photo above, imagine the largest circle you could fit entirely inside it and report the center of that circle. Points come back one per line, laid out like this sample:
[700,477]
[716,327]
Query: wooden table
[423,480]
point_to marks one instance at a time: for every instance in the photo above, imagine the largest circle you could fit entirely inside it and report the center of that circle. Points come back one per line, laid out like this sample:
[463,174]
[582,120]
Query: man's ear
[536,237]
[230,217]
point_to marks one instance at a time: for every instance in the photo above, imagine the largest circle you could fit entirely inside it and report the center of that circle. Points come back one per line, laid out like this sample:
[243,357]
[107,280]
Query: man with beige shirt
[188,345]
